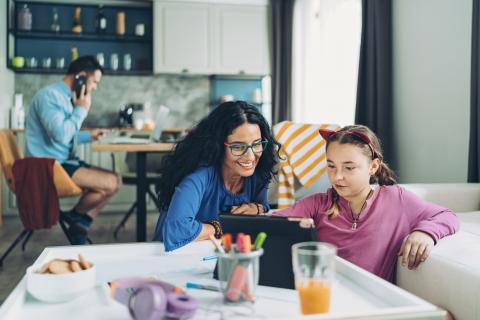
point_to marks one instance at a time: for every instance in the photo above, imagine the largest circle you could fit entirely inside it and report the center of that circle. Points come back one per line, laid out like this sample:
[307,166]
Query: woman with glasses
[371,226]
[223,165]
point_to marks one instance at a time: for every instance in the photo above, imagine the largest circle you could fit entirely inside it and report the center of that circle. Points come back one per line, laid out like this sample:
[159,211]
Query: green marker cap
[259,240]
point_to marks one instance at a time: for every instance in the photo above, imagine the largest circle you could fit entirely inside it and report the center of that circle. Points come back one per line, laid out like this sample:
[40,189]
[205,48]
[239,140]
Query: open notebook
[155,135]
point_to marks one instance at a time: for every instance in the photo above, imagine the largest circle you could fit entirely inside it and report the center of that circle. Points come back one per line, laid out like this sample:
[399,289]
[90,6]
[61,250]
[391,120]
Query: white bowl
[59,287]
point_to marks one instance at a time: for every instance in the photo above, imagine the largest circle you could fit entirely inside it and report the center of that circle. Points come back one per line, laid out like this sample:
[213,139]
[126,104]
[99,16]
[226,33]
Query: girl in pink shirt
[371,227]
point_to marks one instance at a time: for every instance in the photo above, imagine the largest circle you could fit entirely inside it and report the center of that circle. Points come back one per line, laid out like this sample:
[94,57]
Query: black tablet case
[276,262]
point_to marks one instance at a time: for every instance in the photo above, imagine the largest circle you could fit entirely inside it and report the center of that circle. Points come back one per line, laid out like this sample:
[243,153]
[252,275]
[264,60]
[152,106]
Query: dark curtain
[282,29]
[474,146]
[374,91]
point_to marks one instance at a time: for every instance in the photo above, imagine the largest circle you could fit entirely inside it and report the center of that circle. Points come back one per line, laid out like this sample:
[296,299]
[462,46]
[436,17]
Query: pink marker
[239,242]
[237,282]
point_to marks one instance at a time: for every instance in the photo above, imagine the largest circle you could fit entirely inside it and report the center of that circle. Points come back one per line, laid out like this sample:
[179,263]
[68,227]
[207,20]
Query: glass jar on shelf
[55,26]
[24,21]
[77,21]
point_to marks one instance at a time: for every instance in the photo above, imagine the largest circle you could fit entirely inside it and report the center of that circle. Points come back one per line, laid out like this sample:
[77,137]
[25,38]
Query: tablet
[282,233]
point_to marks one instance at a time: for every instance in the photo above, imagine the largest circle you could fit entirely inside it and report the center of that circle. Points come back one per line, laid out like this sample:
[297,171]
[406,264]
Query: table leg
[141,194]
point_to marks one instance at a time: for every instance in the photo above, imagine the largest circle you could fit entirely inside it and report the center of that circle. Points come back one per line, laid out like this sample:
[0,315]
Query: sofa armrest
[459,197]
[450,277]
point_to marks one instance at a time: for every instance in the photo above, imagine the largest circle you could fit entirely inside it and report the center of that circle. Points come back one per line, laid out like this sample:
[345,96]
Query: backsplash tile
[187,97]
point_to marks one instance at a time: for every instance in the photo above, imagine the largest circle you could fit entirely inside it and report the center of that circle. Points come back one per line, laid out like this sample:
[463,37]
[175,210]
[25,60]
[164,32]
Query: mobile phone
[78,82]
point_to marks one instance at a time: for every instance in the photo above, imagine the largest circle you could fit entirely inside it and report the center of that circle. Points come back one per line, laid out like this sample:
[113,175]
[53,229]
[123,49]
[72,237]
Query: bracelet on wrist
[217,227]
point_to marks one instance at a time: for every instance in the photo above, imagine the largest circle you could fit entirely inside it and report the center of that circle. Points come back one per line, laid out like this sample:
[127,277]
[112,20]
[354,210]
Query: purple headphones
[149,299]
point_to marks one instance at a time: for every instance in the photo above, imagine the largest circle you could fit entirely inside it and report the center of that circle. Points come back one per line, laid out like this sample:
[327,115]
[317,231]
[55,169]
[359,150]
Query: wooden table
[141,151]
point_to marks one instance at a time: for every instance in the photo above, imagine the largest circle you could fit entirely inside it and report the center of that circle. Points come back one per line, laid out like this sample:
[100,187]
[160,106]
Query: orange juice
[314,295]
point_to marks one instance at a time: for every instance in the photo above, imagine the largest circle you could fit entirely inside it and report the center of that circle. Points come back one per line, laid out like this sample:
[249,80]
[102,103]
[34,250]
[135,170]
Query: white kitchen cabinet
[183,38]
[242,40]
[211,37]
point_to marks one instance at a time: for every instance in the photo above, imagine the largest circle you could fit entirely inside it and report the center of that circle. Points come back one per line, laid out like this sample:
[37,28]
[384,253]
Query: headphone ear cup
[148,302]
[181,305]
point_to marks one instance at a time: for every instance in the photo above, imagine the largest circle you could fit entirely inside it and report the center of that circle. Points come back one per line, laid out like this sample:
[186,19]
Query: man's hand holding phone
[80,96]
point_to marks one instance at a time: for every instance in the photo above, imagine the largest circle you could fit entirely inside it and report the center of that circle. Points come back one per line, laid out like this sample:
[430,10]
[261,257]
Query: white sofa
[450,278]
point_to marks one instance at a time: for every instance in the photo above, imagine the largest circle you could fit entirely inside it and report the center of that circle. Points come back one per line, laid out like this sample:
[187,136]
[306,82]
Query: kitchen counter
[166,130]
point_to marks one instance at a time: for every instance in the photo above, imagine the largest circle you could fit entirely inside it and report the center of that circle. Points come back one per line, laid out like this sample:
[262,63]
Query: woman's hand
[415,249]
[247,208]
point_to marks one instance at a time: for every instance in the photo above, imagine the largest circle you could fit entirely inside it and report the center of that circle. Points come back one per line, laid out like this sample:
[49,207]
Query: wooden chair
[9,153]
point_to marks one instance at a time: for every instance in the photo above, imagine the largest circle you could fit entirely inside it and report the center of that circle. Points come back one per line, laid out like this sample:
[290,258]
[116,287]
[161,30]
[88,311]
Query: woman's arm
[181,226]
[207,230]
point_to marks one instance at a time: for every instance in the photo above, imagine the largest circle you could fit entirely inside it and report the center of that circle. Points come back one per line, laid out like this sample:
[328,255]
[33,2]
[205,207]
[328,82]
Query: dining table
[141,151]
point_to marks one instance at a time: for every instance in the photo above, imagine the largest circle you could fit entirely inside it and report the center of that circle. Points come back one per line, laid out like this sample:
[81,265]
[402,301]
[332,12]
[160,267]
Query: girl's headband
[327,134]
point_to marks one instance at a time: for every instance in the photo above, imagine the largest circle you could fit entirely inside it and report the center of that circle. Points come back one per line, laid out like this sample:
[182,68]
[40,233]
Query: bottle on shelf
[101,21]
[24,21]
[55,26]
[120,27]
[74,53]
[17,113]
[77,22]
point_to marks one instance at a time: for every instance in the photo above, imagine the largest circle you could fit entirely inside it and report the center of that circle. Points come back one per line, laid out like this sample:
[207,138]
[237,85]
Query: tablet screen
[282,233]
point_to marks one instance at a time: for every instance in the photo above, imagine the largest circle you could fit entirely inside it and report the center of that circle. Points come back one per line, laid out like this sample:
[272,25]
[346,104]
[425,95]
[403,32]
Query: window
[326,50]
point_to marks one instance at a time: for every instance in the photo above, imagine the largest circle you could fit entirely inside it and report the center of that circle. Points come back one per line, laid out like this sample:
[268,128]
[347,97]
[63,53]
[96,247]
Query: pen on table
[201,286]
[209,258]
[217,245]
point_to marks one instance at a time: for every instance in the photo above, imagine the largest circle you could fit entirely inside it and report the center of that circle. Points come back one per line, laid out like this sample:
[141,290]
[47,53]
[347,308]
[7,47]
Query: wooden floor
[16,263]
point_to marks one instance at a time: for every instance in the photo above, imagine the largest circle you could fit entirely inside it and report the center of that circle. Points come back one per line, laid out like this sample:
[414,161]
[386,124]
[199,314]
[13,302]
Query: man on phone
[52,130]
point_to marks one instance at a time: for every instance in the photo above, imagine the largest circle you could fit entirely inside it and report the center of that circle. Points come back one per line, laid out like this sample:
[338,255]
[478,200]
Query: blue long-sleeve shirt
[201,197]
[53,122]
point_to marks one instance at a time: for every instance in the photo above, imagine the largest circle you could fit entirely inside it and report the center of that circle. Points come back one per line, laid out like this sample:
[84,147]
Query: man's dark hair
[88,64]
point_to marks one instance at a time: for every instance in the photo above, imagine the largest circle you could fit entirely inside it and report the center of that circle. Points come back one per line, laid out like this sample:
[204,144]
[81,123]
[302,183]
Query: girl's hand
[415,249]
[247,208]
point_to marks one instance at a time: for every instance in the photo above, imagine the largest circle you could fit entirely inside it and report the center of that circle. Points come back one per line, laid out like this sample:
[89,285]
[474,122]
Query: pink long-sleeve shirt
[390,214]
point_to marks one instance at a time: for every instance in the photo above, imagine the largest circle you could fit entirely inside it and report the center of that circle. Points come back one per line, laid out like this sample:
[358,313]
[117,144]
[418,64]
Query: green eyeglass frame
[239,149]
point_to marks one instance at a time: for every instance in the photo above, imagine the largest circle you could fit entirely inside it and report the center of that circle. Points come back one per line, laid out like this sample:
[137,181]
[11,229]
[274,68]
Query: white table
[357,294]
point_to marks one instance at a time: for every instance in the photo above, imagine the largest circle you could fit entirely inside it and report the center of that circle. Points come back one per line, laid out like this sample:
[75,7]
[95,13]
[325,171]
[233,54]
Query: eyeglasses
[239,149]
[328,134]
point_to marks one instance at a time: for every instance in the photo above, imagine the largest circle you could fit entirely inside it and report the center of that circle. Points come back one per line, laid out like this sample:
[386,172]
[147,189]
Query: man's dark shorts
[71,168]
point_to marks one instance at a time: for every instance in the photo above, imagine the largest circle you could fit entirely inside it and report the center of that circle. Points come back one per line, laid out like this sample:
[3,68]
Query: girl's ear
[374,166]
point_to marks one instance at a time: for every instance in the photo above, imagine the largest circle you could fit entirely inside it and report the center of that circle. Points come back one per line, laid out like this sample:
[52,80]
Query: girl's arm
[427,217]
[429,223]
[308,207]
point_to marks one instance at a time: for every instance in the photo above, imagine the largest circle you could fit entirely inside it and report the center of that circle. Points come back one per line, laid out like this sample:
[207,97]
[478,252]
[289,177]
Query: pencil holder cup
[238,274]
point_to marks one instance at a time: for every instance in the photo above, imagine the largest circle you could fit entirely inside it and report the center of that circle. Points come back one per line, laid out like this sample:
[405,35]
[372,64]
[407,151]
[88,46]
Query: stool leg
[154,198]
[24,244]
[13,245]
[65,230]
[124,220]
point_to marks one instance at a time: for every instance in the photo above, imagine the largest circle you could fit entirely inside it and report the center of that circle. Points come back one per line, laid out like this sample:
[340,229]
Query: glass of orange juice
[314,269]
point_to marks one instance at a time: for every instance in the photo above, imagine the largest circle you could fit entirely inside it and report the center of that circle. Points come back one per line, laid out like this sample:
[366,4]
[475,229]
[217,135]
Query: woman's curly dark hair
[204,145]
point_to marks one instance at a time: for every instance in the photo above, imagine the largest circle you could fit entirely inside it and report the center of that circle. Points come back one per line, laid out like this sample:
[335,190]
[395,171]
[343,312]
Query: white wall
[6,76]
[431,88]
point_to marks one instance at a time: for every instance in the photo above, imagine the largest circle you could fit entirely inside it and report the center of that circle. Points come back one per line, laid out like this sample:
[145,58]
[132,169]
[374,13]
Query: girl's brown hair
[365,139]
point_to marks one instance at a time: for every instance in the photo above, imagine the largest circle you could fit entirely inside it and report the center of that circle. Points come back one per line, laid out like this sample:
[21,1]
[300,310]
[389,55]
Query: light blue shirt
[201,197]
[53,124]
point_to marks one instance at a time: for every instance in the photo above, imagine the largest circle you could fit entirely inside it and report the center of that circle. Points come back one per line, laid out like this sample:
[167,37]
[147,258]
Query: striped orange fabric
[304,151]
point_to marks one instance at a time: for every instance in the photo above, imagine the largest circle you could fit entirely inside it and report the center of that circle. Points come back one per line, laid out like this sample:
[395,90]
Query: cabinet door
[242,38]
[183,38]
